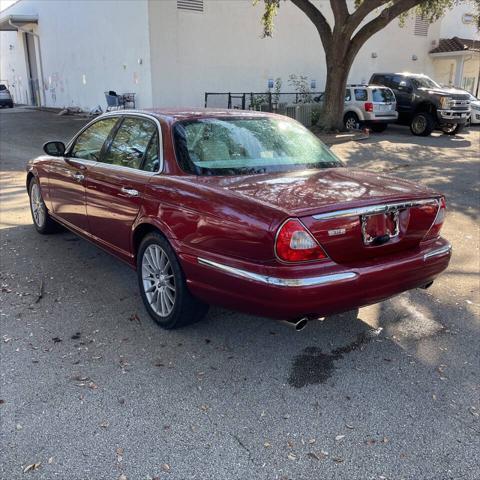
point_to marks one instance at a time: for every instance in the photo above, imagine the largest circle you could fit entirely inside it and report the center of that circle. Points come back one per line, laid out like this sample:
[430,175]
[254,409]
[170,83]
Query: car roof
[369,85]
[172,115]
[406,74]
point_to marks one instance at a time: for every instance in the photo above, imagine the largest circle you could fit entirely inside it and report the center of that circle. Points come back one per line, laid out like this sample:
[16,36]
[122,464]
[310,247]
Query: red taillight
[368,106]
[294,243]
[437,224]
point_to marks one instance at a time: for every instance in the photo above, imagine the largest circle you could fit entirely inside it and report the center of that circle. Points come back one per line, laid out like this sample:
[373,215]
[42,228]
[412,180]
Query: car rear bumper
[386,117]
[312,290]
[6,101]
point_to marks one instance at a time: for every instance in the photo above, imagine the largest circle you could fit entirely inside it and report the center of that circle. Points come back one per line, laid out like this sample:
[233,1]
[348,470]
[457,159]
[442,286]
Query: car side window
[396,80]
[361,95]
[152,156]
[348,95]
[130,143]
[89,143]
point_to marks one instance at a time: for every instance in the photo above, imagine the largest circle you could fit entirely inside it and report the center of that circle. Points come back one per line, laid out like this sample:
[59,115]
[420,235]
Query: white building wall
[87,48]
[221,50]
[453,24]
[13,67]
[171,57]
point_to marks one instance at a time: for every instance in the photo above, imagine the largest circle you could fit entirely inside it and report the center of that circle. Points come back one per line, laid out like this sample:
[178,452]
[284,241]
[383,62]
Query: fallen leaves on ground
[135,318]
[31,467]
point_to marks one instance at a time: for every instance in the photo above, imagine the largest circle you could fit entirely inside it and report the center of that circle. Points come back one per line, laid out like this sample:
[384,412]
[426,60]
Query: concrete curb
[336,138]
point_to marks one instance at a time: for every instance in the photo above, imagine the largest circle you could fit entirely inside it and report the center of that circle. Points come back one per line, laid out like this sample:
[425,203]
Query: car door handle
[78,177]
[130,192]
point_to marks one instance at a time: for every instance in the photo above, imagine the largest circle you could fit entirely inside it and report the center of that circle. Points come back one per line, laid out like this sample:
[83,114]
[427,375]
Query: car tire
[350,121]
[422,124]
[452,129]
[42,220]
[163,286]
[378,127]
[10,105]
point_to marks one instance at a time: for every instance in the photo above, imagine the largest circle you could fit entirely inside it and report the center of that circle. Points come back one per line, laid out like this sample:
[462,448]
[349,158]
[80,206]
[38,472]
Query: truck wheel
[452,128]
[350,121]
[422,124]
[378,127]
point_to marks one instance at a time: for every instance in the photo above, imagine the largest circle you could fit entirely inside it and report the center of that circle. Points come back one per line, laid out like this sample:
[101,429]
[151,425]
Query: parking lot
[91,388]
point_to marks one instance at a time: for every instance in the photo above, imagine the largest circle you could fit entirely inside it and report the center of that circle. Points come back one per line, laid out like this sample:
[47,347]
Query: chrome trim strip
[279,282]
[439,251]
[384,208]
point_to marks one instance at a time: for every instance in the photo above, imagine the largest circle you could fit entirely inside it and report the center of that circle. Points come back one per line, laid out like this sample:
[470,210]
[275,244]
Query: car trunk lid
[332,203]
[372,231]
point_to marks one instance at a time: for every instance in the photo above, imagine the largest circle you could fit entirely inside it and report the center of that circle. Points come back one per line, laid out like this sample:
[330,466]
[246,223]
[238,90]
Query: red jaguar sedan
[246,210]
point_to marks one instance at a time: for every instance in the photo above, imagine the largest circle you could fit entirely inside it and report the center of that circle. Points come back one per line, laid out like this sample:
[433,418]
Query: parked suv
[425,105]
[5,96]
[371,105]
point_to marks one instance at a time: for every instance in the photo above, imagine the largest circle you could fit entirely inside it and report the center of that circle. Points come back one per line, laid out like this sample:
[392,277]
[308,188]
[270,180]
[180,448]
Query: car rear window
[361,94]
[246,146]
[383,95]
[3,87]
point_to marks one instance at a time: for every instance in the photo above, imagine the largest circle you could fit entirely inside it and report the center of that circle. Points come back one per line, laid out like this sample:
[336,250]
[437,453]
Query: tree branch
[340,11]
[381,21]
[366,7]
[320,22]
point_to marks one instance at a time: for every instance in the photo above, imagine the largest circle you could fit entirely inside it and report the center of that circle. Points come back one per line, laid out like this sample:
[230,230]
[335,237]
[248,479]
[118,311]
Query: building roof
[12,22]
[456,44]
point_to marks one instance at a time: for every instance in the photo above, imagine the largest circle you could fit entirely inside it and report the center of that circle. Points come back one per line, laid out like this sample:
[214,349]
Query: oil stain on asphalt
[313,366]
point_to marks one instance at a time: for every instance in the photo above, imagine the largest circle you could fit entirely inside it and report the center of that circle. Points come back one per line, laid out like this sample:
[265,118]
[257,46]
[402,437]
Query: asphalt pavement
[91,388]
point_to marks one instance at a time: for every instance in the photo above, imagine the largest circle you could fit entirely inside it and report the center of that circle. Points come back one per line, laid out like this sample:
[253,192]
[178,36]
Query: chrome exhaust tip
[297,324]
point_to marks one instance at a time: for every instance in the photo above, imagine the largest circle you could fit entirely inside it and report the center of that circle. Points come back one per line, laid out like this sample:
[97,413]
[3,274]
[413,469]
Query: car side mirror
[55,149]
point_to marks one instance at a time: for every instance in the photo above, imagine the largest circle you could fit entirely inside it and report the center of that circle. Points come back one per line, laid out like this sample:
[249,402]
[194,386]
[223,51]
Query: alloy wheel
[350,124]
[158,280]
[38,207]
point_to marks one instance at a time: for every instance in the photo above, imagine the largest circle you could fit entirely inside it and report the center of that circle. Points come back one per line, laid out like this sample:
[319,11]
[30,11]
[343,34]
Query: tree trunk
[333,106]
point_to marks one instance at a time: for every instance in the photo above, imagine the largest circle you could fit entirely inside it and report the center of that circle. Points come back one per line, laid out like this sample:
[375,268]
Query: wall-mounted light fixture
[374,55]
[270,83]
[313,84]
[414,58]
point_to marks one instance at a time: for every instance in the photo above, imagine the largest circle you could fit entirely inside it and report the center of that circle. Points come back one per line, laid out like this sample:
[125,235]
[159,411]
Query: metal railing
[263,101]
[302,107]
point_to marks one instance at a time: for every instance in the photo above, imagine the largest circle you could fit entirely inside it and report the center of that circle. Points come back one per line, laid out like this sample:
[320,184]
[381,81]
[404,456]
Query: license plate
[379,228]
[383,108]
